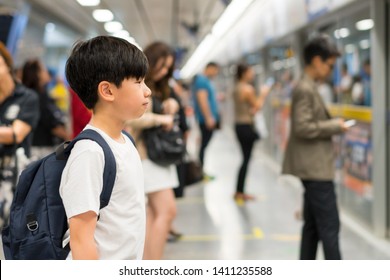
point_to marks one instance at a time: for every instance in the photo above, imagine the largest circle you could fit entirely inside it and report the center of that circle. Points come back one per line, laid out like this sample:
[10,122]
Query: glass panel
[348,94]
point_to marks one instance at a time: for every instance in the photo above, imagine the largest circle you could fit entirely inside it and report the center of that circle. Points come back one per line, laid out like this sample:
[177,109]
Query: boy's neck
[110,127]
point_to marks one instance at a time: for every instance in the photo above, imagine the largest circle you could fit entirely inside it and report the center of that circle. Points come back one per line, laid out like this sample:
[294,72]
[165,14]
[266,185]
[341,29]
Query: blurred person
[309,153]
[206,106]
[326,91]
[108,75]
[19,114]
[345,85]
[246,104]
[58,92]
[159,180]
[51,127]
[366,79]
[357,91]
[79,114]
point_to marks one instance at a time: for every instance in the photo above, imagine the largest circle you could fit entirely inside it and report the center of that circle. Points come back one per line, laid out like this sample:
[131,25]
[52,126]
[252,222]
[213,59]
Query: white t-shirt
[120,230]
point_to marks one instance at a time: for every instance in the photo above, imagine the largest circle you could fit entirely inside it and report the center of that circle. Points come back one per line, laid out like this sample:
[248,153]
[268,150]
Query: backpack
[38,220]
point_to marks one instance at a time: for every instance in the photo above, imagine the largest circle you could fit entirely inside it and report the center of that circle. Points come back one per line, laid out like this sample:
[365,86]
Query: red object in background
[79,113]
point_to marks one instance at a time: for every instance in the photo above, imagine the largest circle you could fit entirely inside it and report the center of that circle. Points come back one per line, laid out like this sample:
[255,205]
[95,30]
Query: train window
[351,80]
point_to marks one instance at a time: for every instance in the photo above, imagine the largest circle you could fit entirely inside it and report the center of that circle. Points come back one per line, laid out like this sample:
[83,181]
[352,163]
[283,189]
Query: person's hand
[343,125]
[210,123]
[170,106]
[166,121]
[265,90]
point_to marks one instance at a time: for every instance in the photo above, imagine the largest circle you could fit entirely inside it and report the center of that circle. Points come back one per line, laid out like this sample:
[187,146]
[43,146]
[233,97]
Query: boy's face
[132,98]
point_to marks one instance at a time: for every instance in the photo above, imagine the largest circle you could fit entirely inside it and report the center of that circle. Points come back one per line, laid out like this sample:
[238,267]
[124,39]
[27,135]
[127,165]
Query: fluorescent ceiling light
[102,15]
[364,44]
[231,14]
[89,3]
[122,34]
[113,26]
[198,56]
[341,33]
[365,24]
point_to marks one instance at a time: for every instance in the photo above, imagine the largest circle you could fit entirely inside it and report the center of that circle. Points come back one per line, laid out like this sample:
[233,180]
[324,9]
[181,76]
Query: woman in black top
[51,125]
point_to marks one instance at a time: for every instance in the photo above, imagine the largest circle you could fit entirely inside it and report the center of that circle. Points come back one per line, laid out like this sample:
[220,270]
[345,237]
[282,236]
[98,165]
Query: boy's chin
[137,116]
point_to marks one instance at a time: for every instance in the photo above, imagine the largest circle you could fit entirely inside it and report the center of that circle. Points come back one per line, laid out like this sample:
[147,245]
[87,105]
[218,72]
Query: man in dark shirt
[19,114]
[19,108]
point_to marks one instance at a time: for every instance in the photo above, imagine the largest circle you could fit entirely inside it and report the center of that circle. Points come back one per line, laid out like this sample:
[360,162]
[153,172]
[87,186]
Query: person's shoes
[208,177]
[174,236]
[248,197]
[240,198]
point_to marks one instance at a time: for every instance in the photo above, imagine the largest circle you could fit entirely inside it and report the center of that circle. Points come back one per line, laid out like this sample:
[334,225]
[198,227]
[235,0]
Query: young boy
[108,74]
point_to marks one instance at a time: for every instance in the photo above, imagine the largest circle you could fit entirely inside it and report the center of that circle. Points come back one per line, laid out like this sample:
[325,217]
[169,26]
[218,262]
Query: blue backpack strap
[109,173]
[128,135]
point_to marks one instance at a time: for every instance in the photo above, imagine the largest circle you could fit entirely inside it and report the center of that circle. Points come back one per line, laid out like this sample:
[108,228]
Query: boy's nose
[147,91]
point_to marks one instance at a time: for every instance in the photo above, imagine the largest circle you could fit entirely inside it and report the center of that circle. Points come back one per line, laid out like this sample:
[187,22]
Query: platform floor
[216,227]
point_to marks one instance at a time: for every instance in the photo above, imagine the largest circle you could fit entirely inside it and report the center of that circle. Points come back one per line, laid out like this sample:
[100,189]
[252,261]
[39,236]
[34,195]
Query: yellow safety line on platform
[258,233]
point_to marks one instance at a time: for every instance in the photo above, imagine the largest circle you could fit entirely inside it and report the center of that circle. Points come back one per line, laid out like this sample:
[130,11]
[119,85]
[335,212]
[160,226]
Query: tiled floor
[216,227]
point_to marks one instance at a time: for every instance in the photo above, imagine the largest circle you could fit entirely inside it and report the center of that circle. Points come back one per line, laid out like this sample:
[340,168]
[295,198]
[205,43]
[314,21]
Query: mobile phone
[270,81]
[350,123]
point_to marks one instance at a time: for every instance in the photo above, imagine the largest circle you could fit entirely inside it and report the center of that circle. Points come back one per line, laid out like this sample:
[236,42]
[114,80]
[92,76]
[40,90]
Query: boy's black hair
[321,46]
[103,58]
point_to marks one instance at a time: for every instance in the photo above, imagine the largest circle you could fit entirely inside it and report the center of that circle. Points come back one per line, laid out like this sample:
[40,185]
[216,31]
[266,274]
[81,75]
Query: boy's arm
[82,241]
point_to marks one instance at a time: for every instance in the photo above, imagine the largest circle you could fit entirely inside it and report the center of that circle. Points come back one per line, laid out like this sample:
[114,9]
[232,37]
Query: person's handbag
[164,147]
[260,125]
[193,172]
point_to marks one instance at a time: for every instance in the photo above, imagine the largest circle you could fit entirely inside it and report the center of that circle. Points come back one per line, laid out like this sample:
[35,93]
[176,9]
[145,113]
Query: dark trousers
[321,220]
[206,137]
[246,137]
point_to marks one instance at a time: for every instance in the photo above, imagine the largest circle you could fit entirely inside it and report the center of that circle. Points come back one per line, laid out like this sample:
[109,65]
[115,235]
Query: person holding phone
[246,104]
[309,153]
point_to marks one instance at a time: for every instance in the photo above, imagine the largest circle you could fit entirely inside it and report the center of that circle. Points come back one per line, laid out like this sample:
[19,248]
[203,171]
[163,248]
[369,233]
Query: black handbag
[164,147]
[193,172]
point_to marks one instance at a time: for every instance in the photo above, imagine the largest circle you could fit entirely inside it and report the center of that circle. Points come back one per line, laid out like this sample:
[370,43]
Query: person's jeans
[206,137]
[246,137]
[321,220]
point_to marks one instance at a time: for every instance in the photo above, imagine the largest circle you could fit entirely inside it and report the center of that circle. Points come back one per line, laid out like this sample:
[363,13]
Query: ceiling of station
[180,23]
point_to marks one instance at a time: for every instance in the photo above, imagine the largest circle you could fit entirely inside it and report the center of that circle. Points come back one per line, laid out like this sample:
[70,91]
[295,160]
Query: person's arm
[60,132]
[202,98]
[82,242]
[306,126]
[20,128]
[249,95]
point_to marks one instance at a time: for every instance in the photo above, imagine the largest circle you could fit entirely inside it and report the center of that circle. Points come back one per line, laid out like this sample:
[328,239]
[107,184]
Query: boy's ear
[104,91]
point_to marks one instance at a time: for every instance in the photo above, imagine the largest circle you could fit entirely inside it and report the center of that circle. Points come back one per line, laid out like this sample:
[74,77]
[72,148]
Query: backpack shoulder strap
[109,173]
[129,136]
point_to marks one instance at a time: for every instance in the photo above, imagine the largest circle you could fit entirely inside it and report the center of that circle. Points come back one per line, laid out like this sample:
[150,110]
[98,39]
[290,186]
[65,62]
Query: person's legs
[328,221]
[206,136]
[163,207]
[309,239]
[246,139]
[323,206]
